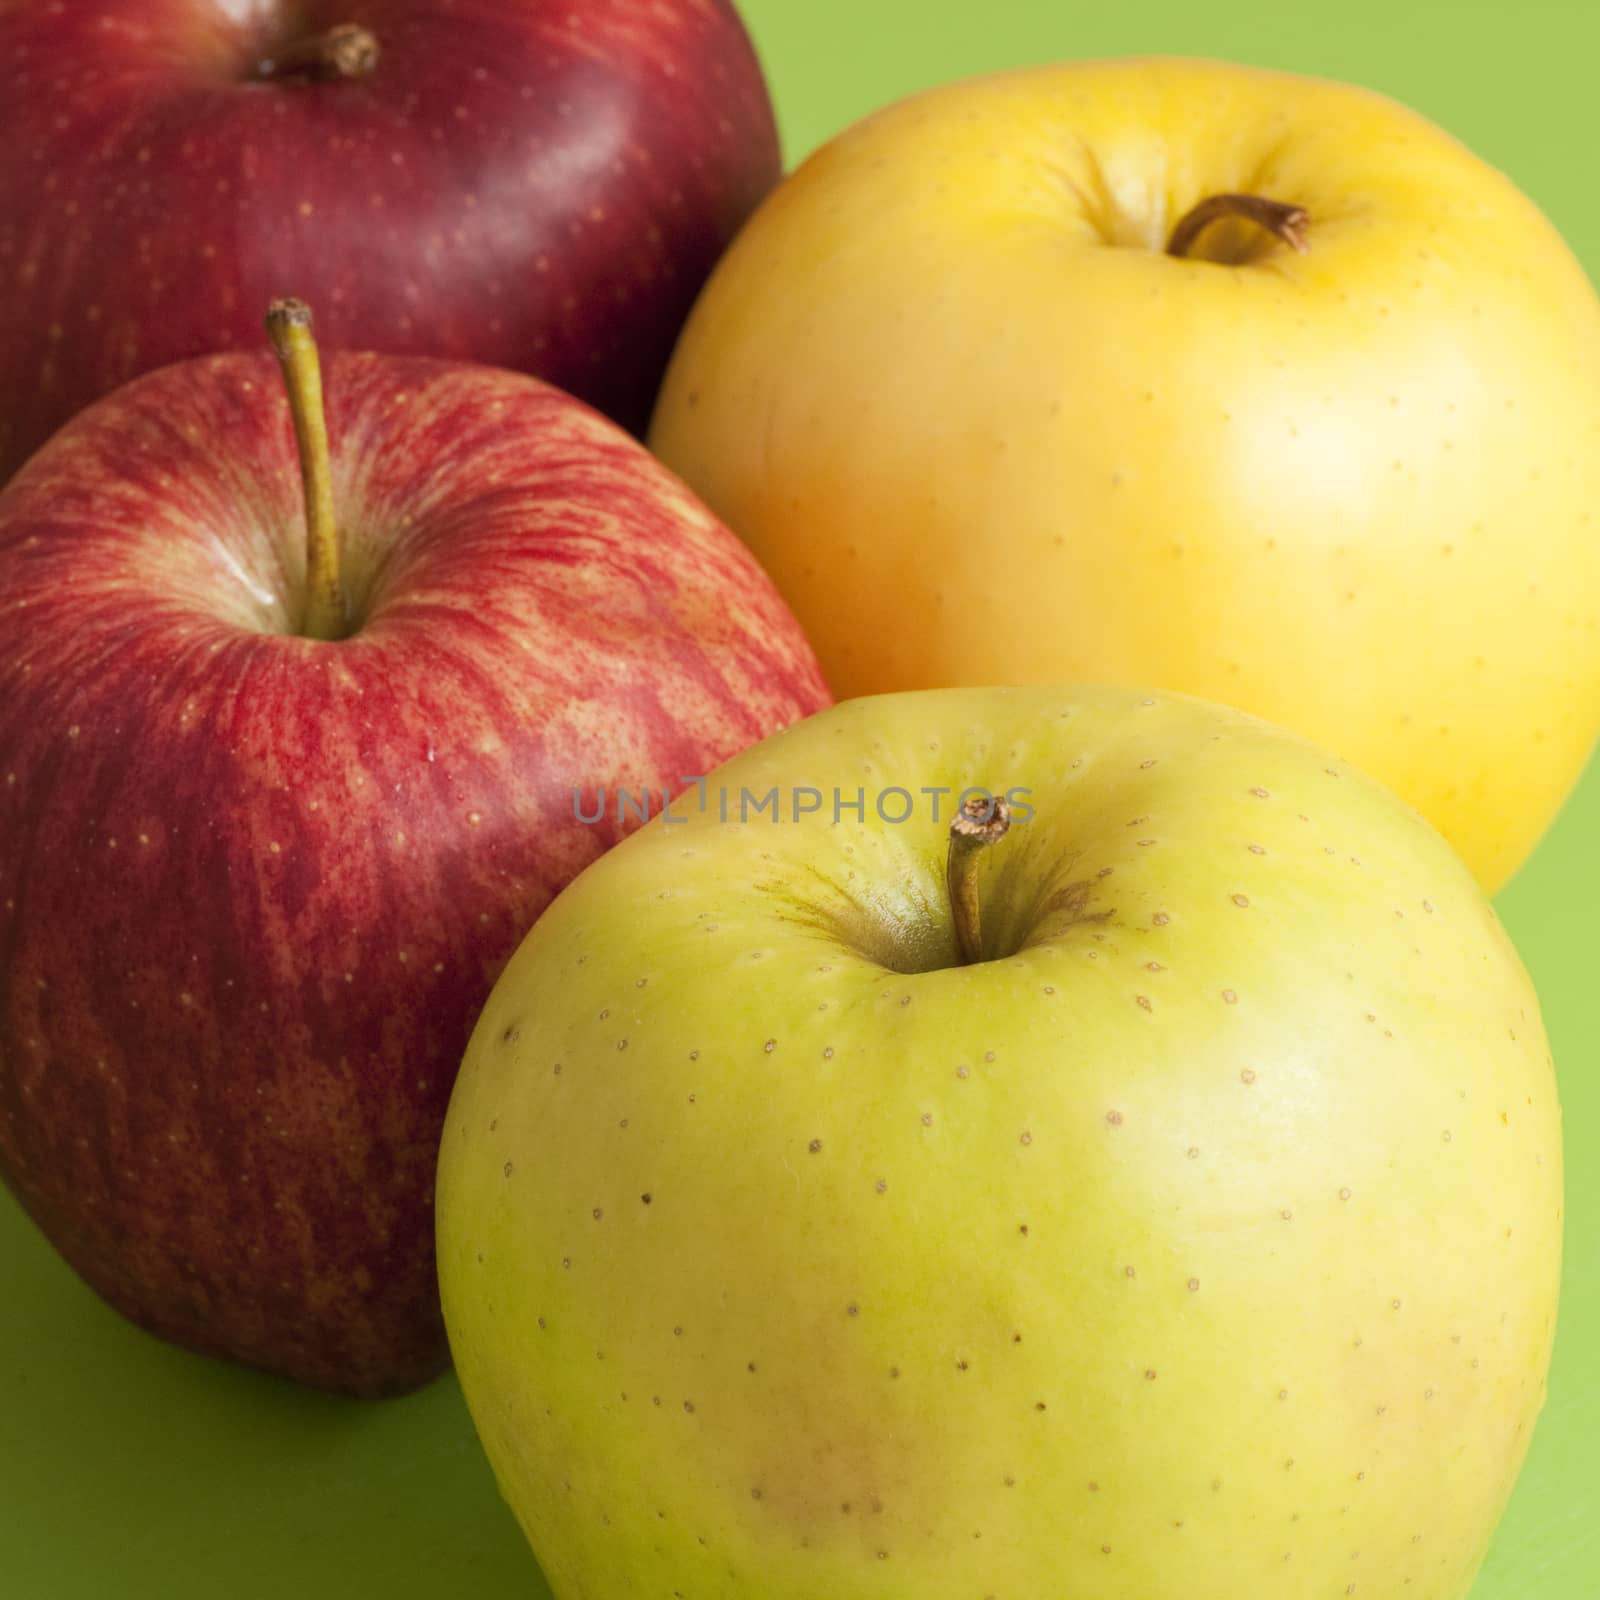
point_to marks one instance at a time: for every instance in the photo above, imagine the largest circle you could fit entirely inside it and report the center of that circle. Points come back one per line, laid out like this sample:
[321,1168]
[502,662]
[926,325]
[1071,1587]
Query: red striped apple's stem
[348,51]
[289,326]
[1287,222]
[981,821]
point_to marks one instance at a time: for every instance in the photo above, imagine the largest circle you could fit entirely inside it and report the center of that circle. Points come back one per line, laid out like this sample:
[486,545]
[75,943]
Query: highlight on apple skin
[256,886]
[1201,1240]
[991,406]
[534,184]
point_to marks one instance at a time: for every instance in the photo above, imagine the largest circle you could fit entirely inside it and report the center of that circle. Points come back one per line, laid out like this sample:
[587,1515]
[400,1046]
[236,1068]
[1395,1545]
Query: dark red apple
[538,184]
[255,885]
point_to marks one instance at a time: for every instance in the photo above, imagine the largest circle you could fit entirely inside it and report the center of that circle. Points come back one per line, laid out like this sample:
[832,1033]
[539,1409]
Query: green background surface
[131,1469]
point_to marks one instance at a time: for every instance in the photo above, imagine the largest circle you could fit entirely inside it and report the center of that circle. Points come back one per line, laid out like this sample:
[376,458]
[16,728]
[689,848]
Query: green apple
[1200,1240]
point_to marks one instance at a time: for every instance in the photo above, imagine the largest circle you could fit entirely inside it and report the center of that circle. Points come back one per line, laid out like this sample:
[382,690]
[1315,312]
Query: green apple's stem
[348,51]
[980,822]
[1287,222]
[289,326]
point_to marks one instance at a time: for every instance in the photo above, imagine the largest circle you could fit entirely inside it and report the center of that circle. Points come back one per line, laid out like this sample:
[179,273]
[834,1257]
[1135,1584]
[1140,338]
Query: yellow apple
[1200,1241]
[981,426]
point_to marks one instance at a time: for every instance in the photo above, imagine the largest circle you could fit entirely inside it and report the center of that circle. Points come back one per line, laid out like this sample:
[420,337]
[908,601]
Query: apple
[534,184]
[277,805]
[1333,461]
[1200,1240]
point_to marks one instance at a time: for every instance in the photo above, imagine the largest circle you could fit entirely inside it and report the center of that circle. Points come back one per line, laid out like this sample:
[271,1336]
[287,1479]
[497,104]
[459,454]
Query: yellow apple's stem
[289,326]
[1287,222]
[979,823]
[347,51]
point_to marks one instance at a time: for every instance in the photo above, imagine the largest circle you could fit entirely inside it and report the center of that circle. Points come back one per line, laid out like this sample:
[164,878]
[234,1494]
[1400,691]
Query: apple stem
[1287,222]
[980,822]
[326,615]
[348,51]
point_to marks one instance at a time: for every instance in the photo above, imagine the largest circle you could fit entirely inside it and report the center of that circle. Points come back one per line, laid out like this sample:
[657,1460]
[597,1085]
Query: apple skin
[1215,1221]
[979,427]
[255,888]
[528,183]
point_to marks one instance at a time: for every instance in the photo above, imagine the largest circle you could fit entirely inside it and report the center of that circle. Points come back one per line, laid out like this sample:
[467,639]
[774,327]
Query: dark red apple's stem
[1287,222]
[979,823]
[289,327]
[348,51]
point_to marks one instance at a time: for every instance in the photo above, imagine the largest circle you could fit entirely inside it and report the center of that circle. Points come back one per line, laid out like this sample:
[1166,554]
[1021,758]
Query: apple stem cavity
[326,614]
[981,821]
[1284,221]
[347,51]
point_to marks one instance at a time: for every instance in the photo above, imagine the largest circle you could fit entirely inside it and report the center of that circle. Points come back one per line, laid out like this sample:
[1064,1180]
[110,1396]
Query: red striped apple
[532,183]
[273,821]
